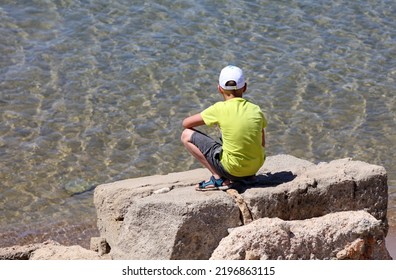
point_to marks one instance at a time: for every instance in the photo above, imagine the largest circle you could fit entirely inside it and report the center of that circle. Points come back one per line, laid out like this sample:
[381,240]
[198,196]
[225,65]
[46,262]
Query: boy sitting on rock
[242,123]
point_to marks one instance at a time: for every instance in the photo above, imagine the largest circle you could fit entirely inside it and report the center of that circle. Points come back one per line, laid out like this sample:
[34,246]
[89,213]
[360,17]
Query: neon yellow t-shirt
[241,123]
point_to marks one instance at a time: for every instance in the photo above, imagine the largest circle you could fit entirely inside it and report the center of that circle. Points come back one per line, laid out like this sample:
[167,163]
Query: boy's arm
[193,121]
[263,138]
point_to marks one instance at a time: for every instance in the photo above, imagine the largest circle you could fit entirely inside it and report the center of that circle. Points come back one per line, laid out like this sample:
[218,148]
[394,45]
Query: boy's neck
[230,96]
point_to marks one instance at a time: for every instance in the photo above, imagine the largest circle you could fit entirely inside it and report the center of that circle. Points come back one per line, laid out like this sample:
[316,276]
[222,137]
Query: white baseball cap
[231,73]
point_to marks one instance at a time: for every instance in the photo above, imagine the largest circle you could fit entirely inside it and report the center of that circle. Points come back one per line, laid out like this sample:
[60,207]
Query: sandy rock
[163,217]
[317,190]
[59,252]
[23,252]
[49,250]
[175,225]
[341,235]
[99,245]
[113,200]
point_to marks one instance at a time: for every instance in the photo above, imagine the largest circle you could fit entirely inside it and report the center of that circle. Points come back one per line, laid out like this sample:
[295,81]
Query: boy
[242,126]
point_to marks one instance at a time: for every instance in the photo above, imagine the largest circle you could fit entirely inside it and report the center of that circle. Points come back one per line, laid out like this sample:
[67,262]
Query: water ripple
[95,91]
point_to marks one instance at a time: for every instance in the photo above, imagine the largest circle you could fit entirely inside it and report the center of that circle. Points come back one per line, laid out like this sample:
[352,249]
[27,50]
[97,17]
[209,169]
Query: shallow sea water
[95,91]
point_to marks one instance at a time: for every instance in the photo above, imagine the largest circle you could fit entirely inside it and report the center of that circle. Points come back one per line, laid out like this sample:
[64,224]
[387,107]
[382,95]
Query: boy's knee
[186,135]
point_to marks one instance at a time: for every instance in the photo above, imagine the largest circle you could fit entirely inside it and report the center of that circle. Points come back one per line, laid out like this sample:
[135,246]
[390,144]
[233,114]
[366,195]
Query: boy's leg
[186,140]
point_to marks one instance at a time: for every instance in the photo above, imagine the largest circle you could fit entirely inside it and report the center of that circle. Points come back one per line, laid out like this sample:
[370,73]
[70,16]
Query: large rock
[317,190]
[342,235]
[163,217]
[113,200]
[176,225]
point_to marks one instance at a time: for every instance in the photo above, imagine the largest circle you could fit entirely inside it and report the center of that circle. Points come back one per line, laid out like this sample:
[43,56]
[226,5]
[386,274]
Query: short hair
[235,92]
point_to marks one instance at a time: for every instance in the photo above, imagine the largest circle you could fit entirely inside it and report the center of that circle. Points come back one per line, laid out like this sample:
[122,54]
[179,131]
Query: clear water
[94,91]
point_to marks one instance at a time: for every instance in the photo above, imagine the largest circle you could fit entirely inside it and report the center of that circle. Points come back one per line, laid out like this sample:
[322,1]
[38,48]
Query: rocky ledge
[293,209]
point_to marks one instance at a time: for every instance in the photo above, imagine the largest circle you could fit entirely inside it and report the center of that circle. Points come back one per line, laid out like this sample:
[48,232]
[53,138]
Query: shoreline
[65,234]
[82,234]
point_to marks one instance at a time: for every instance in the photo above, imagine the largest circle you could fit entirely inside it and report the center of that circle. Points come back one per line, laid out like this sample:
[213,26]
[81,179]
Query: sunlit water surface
[95,91]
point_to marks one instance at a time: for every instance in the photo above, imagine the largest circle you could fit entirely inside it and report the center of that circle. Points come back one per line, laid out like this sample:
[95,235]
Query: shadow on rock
[263,181]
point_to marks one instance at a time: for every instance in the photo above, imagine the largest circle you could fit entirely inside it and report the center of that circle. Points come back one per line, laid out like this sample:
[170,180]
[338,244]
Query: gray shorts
[212,150]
